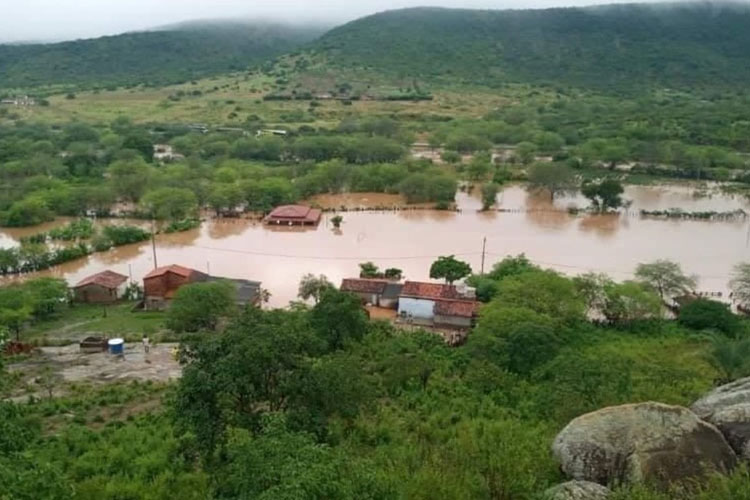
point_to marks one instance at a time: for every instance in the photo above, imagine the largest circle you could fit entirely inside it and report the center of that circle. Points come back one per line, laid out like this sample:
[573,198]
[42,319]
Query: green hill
[165,56]
[680,45]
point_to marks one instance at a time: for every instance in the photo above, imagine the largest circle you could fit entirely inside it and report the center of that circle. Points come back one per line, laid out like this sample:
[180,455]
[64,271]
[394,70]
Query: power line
[323,257]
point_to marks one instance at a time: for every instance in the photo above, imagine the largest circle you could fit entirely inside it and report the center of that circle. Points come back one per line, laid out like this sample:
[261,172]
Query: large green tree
[449,268]
[553,178]
[200,306]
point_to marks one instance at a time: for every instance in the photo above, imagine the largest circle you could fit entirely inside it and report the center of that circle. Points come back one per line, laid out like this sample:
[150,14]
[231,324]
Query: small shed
[293,215]
[105,287]
[378,292]
[455,313]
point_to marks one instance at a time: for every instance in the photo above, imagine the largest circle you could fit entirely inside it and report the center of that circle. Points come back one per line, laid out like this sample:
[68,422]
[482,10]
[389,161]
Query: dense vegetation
[321,403]
[689,45]
[159,57]
[80,169]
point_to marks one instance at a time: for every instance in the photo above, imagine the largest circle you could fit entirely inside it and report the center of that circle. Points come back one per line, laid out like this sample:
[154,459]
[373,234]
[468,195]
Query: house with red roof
[105,287]
[293,215]
[160,285]
[438,304]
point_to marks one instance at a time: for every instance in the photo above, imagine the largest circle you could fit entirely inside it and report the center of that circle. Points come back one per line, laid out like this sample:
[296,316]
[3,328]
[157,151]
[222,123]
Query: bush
[704,314]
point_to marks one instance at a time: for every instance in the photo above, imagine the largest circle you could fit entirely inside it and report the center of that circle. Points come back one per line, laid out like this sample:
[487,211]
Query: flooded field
[411,240]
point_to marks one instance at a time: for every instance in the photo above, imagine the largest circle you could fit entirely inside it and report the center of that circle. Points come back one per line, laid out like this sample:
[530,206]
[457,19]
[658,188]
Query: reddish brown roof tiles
[362,285]
[429,290]
[174,268]
[106,279]
[463,308]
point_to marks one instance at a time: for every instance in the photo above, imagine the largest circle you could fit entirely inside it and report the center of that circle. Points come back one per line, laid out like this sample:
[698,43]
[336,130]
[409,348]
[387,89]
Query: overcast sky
[53,20]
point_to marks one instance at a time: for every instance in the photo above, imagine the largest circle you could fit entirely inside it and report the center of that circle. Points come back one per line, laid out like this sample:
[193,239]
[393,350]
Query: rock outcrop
[728,408]
[644,442]
[577,490]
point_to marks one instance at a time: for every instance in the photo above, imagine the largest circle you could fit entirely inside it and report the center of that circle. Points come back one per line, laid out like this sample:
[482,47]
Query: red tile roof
[463,308]
[291,211]
[174,268]
[107,279]
[294,214]
[361,285]
[429,290]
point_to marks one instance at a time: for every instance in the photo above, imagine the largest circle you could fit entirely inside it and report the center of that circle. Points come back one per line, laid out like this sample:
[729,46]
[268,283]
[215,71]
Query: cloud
[53,20]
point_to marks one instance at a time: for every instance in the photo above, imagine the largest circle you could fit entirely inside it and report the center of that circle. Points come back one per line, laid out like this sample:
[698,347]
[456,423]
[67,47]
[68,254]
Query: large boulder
[577,490]
[644,442]
[728,408]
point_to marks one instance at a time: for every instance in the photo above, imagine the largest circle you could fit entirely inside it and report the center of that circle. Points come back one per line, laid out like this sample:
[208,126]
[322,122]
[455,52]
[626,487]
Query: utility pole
[484,247]
[153,243]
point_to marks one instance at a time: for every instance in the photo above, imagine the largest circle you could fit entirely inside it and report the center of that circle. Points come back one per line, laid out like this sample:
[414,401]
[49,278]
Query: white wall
[418,308]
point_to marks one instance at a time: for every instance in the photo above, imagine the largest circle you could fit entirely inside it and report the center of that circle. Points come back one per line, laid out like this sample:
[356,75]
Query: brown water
[411,240]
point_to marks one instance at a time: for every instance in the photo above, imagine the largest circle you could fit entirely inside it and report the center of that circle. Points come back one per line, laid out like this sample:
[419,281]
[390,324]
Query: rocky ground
[50,368]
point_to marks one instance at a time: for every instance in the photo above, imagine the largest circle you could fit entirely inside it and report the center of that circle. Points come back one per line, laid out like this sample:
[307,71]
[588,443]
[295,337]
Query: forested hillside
[622,46]
[155,57]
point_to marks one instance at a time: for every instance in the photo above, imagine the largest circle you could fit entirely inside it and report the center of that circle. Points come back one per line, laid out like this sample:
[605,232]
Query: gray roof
[392,290]
[248,291]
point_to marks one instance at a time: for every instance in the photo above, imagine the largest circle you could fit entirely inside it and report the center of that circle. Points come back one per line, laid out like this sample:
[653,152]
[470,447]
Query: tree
[702,314]
[511,266]
[139,140]
[554,178]
[46,295]
[200,306]
[170,203]
[525,152]
[129,178]
[479,167]
[489,195]
[531,345]
[393,273]
[604,195]
[338,317]
[312,287]
[369,270]
[545,292]
[336,220]
[449,268]
[237,377]
[630,301]
[16,308]
[27,212]
[740,283]
[666,277]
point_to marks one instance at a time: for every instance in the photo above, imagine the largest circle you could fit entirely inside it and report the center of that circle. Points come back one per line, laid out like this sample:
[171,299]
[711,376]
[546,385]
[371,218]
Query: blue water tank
[116,346]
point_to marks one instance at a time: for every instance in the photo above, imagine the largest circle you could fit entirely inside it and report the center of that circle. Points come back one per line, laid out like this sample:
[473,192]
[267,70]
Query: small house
[105,287]
[293,215]
[378,292]
[437,304]
[160,285]
[165,153]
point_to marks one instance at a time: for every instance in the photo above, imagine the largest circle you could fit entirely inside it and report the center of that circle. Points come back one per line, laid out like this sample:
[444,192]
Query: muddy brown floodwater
[411,240]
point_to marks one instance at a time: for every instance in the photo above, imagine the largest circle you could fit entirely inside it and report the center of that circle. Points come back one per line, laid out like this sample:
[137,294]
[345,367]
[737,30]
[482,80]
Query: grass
[241,94]
[83,319]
